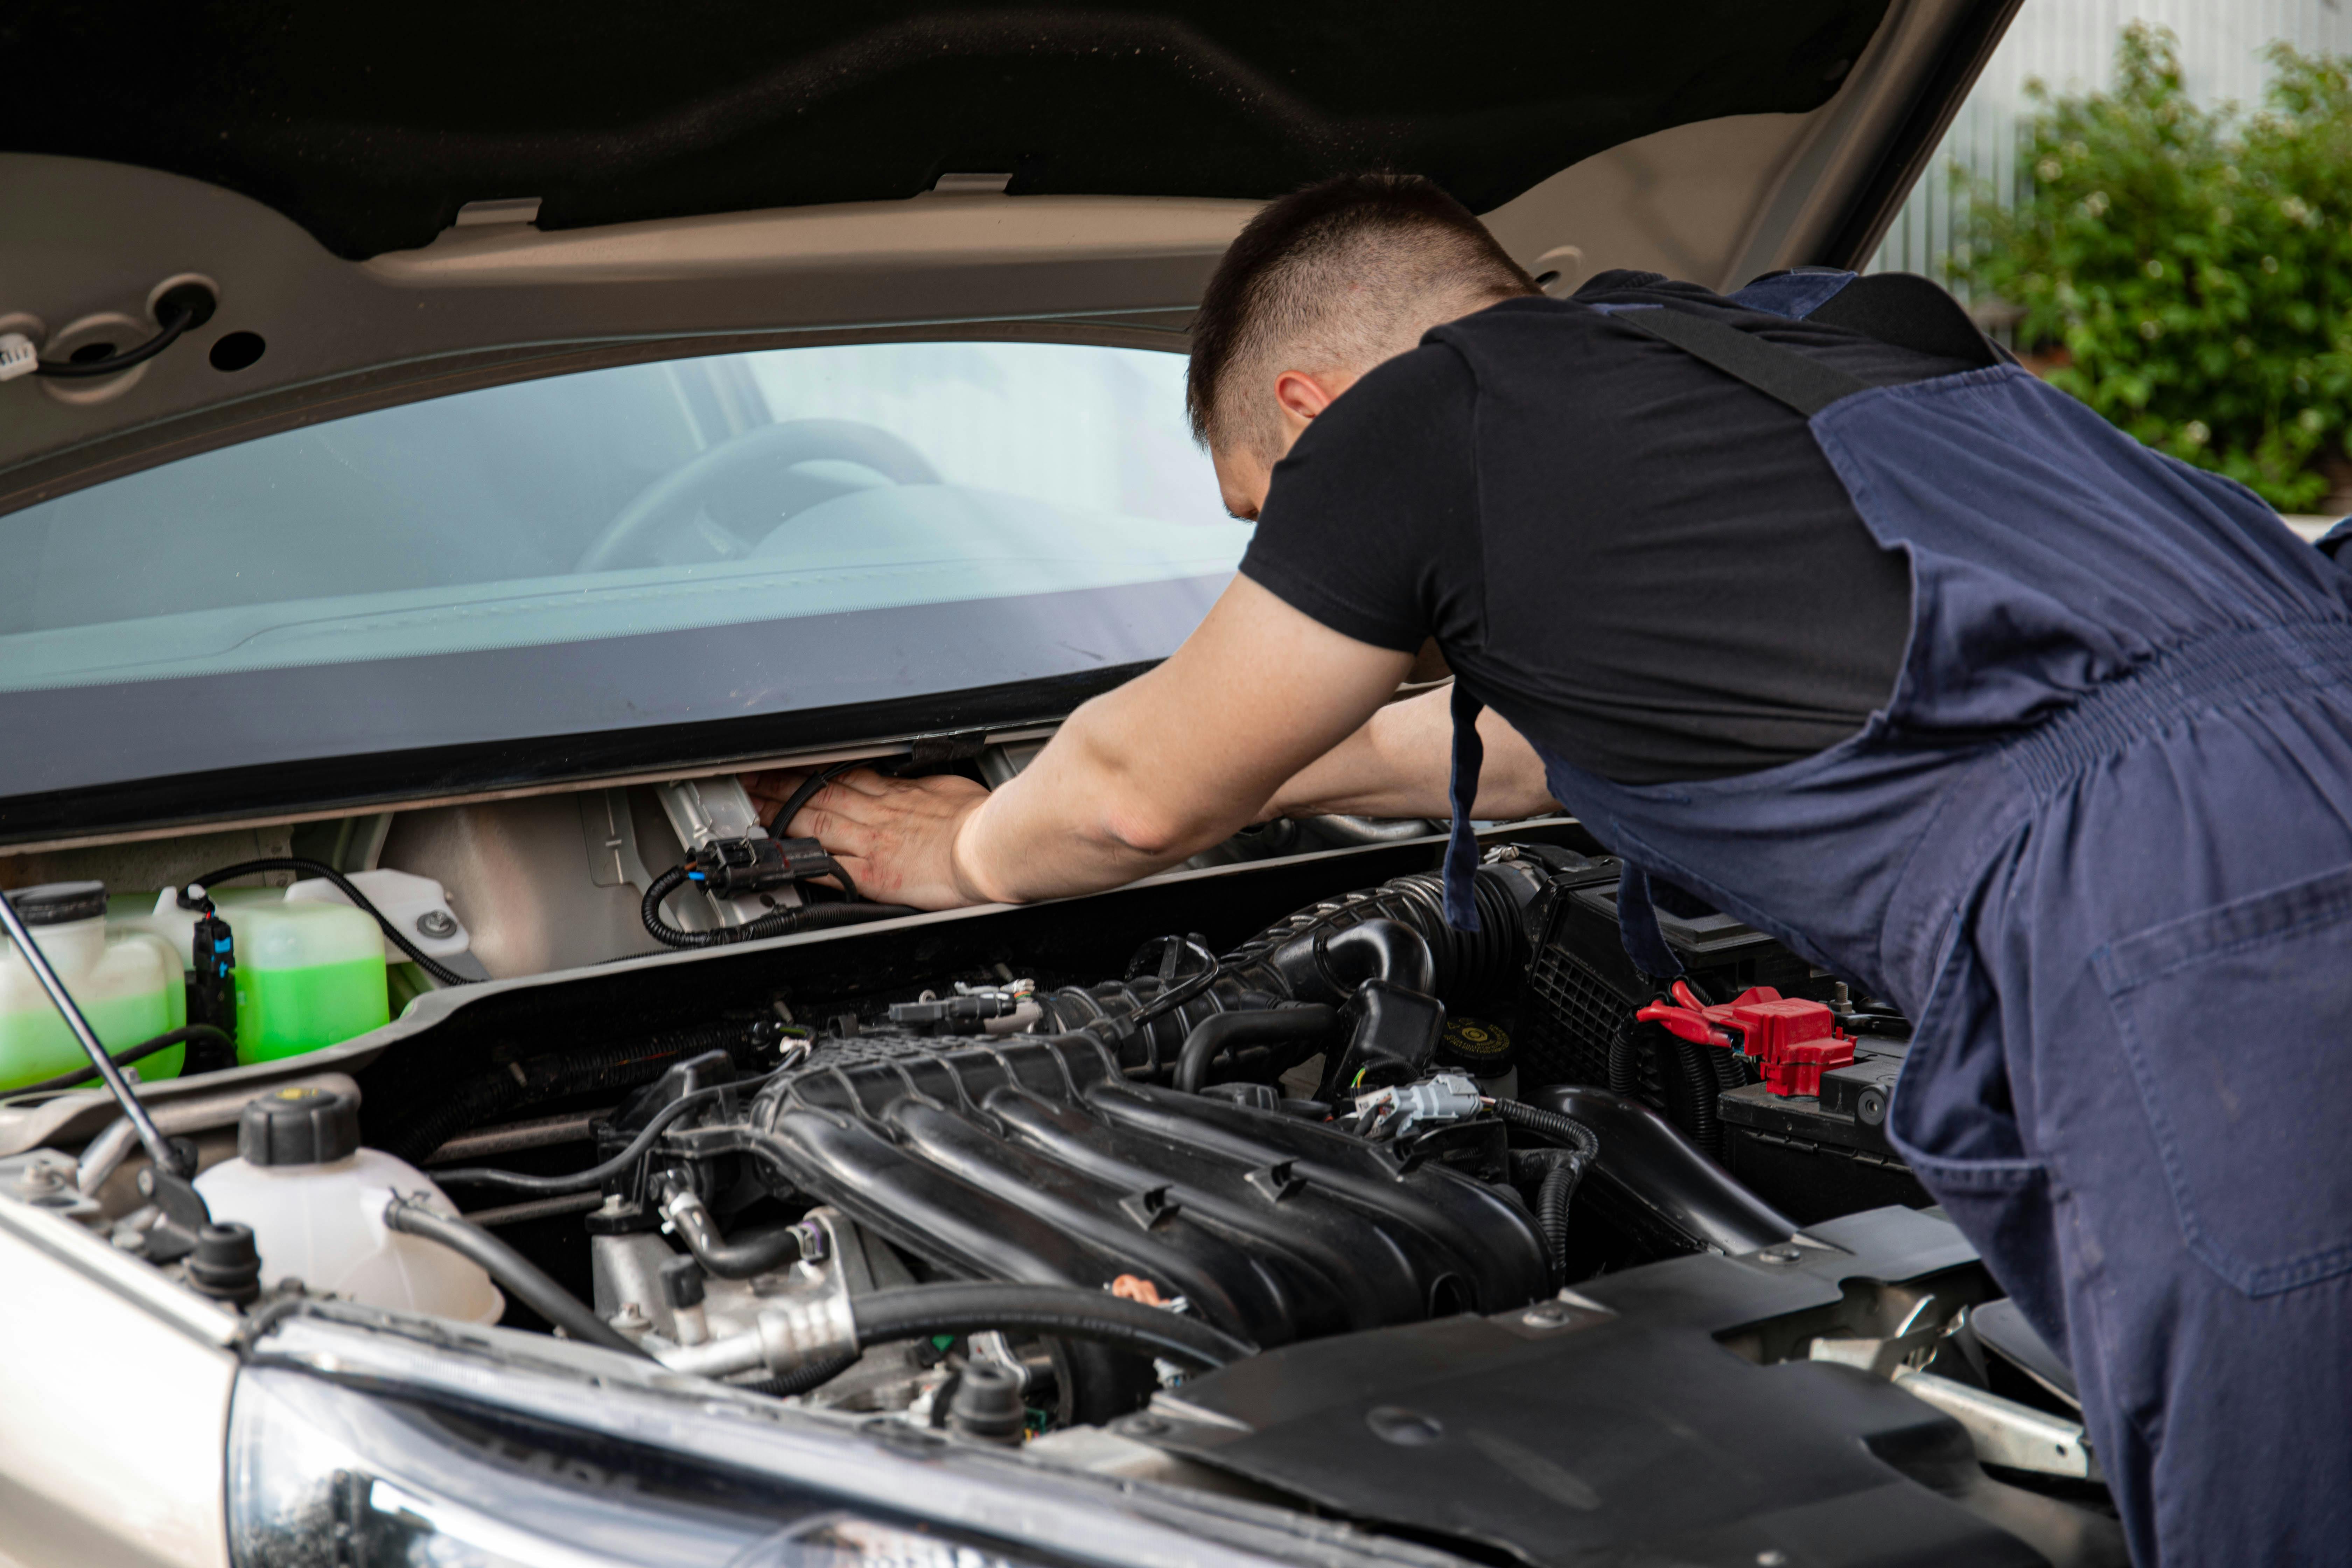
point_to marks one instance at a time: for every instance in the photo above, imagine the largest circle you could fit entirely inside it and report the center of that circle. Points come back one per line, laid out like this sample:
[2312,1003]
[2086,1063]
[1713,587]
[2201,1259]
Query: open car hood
[393,196]
[390,213]
[371,137]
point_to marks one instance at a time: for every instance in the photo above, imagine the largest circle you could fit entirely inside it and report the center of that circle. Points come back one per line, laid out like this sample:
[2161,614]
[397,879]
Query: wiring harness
[731,868]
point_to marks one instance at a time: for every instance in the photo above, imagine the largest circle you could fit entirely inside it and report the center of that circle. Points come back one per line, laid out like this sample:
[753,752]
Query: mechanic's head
[1322,286]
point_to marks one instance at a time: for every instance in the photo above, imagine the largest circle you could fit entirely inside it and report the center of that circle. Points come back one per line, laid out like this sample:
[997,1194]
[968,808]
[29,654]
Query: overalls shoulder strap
[1801,382]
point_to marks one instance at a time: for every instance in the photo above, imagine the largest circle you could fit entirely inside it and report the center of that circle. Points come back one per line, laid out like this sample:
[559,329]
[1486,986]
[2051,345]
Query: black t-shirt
[1647,567]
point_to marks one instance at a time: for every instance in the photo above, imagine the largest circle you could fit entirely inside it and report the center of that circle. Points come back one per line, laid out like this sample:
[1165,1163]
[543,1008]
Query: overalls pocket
[1953,1123]
[2250,1108]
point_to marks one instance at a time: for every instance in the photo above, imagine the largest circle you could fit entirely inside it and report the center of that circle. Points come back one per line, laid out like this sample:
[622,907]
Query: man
[1808,602]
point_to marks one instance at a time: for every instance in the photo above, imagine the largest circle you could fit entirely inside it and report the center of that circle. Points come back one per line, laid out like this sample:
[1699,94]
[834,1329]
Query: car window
[1042,503]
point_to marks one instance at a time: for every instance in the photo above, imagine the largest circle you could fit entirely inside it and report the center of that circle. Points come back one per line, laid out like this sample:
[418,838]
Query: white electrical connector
[17,355]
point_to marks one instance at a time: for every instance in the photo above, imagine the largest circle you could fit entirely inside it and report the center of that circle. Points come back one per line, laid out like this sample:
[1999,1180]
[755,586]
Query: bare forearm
[1179,758]
[1077,820]
[1400,762]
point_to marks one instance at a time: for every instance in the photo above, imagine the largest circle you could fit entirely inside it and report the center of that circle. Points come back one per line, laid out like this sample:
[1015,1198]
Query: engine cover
[1034,1159]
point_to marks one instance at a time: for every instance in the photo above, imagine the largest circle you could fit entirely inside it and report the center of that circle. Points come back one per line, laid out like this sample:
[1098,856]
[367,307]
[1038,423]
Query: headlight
[324,1476]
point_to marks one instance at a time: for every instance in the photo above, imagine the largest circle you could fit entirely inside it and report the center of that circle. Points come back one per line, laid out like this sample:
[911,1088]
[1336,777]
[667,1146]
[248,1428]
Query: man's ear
[1303,396]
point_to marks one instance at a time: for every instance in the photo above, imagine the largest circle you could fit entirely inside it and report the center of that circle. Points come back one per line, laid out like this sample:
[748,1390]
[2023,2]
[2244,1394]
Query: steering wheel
[672,502]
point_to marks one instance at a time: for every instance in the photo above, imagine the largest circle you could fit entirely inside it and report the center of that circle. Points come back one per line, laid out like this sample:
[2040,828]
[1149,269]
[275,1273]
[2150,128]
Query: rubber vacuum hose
[519,1276]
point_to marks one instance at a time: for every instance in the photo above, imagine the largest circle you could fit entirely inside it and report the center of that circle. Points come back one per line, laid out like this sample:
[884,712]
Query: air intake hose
[1320,954]
[1465,964]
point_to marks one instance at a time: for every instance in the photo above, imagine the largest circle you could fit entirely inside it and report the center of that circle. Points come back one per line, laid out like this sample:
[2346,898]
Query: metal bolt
[1871,1107]
[1544,1315]
[436,924]
[1145,1425]
[1781,1255]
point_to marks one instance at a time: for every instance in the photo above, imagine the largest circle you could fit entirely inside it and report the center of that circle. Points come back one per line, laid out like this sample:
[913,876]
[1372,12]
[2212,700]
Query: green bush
[2196,267]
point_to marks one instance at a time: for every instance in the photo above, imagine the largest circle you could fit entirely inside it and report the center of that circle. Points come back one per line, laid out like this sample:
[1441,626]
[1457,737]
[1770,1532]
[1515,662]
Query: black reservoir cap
[298,1127]
[60,903]
[1478,1048]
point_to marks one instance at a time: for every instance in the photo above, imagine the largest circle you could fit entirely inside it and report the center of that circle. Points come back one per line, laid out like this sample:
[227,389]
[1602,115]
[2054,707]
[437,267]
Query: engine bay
[1206,1181]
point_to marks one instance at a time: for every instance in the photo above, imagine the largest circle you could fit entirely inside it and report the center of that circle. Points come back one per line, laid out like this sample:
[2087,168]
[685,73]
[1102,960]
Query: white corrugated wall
[2071,46]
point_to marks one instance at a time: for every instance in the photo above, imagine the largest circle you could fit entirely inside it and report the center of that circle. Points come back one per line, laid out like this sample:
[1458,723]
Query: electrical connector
[941,1012]
[731,868]
[1395,1111]
[18,356]
[212,950]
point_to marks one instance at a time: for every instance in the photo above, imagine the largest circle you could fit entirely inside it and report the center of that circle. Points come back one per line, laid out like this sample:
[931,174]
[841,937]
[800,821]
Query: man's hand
[895,836]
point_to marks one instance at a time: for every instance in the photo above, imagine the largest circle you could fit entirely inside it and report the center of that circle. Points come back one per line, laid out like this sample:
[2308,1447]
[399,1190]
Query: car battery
[1582,990]
[1815,1157]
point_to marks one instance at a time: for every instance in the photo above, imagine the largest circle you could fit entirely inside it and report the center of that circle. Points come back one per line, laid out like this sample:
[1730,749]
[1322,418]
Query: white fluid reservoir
[315,1200]
[419,906]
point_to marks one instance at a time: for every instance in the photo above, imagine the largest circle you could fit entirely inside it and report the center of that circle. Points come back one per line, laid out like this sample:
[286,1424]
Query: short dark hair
[1345,268]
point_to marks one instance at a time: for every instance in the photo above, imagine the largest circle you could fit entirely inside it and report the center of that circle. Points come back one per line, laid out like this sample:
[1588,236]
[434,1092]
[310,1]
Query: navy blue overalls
[2099,847]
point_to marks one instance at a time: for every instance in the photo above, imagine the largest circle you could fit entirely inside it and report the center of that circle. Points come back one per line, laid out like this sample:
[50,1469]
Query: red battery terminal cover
[1792,1039]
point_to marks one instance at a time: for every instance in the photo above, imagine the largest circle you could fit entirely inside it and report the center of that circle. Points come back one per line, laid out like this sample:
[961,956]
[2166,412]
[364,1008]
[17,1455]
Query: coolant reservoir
[127,983]
[315,1200]
[308,974]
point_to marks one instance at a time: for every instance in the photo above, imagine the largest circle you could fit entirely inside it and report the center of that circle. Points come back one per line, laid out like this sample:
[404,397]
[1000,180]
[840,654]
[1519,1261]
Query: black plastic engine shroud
[1620,1426]
[1033,1158]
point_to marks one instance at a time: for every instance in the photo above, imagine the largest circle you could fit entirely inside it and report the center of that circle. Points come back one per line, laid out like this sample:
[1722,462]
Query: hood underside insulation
[371,126]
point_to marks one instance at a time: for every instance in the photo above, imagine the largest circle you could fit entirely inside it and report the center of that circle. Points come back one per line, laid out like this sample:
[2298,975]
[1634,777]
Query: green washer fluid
[34,1047]
[283,1013]
[127,986]
[308,976]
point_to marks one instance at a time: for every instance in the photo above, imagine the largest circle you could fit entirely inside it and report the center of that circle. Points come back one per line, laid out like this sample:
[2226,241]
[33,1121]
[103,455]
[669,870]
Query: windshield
[699,539]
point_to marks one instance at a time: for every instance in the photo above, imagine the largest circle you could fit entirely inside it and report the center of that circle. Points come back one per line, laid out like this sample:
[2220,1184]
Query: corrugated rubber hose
[1551,1210]
[1577,1147]
[1564,1130]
